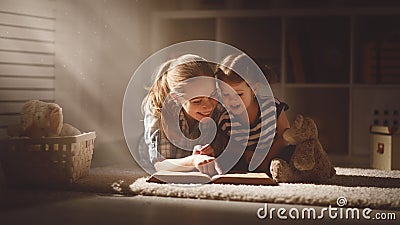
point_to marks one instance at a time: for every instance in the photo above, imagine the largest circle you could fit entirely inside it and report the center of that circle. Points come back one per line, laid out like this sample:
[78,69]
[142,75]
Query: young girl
[176,106]
[249,108]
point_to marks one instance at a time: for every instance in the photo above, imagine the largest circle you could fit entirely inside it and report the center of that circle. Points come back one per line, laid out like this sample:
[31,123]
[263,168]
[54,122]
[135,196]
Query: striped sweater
[258,134]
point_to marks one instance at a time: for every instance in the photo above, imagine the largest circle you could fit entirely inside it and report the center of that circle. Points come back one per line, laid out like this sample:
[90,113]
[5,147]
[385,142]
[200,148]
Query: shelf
[268,32]
[255,13]
[318,85]
[343,160]
[172,31]
[323,104]
[378,52]
[368,107]
[327,46]
[318,50]
[378,86]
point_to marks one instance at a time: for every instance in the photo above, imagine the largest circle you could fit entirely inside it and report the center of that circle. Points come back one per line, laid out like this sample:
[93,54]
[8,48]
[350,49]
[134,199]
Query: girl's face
[199,101]
[237,97]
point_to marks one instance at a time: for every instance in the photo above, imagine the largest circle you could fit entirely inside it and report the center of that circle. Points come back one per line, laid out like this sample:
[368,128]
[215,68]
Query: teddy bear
[309,162]
[41,119]
[69,130]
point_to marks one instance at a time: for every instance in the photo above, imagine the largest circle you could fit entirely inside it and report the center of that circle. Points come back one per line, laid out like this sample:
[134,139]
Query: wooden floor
[75,208]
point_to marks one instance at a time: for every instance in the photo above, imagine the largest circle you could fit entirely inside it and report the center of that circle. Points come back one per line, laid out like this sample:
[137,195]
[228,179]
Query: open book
[201,178]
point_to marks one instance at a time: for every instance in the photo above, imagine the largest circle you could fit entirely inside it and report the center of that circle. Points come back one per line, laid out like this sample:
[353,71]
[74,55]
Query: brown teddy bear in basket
[309,162]
[41,119]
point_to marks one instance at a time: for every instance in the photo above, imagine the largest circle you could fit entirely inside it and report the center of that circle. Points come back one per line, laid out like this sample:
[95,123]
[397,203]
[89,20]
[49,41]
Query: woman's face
[199,97]
[237,97]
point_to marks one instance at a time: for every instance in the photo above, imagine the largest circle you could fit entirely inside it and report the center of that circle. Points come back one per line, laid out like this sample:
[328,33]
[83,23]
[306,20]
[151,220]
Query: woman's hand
[203,150]
[206,164]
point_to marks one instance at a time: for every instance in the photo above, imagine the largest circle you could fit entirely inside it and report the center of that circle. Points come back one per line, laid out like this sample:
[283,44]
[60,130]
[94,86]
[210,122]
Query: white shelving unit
[328,42]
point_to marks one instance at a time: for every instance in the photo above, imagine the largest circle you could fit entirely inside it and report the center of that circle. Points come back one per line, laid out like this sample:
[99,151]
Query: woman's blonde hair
[170,78]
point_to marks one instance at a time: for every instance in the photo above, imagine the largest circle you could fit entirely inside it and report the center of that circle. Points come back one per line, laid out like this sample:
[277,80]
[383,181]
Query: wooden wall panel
[27,33]
[9,18]
[18,95]
[7,108]
[26,70]
[27,59]
[24,46]
[34,8]
[26,83]
[8,119]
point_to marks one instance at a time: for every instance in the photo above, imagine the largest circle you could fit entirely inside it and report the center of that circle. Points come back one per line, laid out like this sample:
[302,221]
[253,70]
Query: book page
[244,178]
[201,178]
[179,177]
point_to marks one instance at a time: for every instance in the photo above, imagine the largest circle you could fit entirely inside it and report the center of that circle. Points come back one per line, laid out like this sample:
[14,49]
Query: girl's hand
[206,164]
[203,150]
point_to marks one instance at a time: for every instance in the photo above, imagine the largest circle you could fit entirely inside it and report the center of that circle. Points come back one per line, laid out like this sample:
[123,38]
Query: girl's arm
[277,145]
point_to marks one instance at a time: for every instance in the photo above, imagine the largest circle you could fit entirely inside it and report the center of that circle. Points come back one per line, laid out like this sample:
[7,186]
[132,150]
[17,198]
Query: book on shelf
[369,62]
[201,178]
[295,54]
[381,62]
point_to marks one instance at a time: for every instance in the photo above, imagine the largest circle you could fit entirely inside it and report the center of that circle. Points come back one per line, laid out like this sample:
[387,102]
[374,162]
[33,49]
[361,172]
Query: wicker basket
[47,161]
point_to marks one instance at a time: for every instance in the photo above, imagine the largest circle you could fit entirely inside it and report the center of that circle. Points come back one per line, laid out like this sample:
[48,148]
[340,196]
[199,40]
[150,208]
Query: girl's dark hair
[239,68]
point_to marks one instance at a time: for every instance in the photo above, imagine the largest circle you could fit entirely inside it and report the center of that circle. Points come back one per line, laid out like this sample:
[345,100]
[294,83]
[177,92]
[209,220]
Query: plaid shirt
[161,148]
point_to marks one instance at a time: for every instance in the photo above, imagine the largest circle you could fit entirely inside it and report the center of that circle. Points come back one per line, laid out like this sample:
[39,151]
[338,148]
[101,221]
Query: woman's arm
[203,163]
[181,164]
[160,151]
